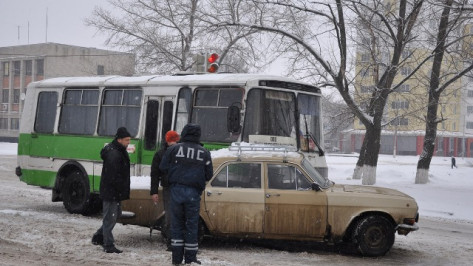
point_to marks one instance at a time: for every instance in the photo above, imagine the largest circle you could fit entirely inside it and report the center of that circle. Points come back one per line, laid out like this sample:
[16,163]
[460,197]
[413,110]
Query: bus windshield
[270,112]
[309,121]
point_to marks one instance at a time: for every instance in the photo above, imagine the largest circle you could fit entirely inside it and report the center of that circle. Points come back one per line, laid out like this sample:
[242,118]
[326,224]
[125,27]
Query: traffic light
[205,63]
[212,66]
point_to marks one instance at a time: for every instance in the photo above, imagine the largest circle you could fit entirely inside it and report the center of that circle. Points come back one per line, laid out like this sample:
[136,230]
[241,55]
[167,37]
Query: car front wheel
[373,235]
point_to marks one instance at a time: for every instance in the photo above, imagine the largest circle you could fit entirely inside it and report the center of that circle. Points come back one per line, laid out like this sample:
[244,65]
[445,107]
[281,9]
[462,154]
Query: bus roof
[183,79]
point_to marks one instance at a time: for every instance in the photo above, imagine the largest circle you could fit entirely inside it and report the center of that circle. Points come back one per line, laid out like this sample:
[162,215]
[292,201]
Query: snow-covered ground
[36,231]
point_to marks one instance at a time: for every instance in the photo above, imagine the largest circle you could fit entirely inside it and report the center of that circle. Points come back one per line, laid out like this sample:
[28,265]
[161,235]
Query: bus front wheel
[76,193]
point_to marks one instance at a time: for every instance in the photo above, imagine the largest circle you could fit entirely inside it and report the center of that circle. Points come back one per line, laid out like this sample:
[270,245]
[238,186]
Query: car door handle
[269,195]
[210,193]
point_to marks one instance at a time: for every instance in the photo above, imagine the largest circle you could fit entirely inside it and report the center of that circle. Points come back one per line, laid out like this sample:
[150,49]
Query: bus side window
[120,108]
[46,112]
[151,130]
[167,118]
[183,108]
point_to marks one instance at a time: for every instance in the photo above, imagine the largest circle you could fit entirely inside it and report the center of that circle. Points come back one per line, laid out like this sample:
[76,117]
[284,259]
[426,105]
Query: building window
[5,95]
[365,72]
[469,125]
[365,57]
[14,123]
[400,121]
[28,67]
[470,93]
[367,89]
[469,109]
[3,123]
[16,68]
[405,71]
[406,53]
[400,105]
[40,67]
[100,70]
[16,96]
[404,88]
[6,69]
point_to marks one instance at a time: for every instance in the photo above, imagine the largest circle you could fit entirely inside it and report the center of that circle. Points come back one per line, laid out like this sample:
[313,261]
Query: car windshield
[316,177]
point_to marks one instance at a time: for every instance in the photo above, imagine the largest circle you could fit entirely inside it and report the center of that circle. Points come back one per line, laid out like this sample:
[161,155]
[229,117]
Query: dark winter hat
[122,133]
[191,132]
[172,136]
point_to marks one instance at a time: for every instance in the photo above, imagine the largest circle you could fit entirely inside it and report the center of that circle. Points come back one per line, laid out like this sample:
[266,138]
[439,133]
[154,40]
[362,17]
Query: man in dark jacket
[189,167]
[157,177]
[114,187]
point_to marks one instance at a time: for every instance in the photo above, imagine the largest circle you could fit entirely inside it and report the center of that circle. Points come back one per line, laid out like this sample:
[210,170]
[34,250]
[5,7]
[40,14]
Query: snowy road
[36,231]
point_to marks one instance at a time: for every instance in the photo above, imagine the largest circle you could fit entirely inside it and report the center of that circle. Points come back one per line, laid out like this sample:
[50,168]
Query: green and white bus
[67,121]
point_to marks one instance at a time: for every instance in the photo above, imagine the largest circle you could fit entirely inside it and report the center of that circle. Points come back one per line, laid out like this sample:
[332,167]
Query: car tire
[76,193]
[373,235]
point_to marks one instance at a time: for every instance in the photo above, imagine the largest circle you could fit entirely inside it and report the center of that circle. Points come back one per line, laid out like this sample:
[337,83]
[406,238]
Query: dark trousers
[111,212]
[185,206]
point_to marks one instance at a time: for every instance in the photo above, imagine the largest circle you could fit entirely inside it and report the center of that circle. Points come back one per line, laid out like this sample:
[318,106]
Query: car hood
[369,190]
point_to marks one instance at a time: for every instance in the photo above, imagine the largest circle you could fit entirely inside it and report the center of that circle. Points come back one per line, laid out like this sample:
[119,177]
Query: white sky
[65,22]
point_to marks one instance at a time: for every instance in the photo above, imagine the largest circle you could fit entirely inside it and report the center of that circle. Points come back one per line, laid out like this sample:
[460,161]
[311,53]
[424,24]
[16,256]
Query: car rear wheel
[373,235]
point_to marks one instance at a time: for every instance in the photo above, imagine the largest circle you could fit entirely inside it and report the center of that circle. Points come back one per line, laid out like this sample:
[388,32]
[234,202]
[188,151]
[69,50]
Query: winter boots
[112,249]
[97,239]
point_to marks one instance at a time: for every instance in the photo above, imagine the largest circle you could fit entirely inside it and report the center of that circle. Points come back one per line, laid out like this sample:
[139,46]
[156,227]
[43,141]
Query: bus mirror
[233,119]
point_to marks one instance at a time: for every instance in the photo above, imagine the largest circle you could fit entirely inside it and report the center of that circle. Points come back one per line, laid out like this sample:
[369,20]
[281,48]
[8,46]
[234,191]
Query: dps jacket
[188,163]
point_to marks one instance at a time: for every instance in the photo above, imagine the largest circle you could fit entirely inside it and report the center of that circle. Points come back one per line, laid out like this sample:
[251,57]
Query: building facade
[406,109]
[20,65]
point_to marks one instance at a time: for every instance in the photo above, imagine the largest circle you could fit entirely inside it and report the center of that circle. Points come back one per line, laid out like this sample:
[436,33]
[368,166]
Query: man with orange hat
[157,177]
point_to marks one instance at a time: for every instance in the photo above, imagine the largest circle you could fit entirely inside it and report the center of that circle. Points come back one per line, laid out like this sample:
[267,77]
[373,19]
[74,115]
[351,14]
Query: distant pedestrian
[158,177]
[189,167]
[454,162]
[114,187]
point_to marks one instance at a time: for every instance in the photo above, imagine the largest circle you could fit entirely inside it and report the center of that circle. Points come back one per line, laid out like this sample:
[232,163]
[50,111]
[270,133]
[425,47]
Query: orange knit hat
[172,136]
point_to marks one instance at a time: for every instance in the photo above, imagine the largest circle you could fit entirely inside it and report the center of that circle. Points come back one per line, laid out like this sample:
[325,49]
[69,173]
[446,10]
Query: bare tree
[166,34]
[447,68]
[317,35]
[337,118]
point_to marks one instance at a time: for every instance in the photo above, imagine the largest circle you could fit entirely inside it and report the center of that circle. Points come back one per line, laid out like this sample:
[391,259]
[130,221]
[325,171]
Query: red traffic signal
[212,65]
[212,58]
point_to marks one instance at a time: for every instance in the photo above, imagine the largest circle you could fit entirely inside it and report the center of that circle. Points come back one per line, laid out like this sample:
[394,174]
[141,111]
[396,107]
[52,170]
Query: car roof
[222,156]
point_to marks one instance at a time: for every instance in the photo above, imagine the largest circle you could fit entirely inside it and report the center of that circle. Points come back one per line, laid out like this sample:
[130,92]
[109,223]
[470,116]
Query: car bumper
[404,229]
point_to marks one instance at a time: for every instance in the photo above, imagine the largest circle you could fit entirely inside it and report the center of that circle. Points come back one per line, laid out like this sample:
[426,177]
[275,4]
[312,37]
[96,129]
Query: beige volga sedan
[281,196]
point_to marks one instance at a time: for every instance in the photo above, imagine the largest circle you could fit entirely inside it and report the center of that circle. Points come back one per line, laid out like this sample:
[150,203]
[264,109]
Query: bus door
[157,121]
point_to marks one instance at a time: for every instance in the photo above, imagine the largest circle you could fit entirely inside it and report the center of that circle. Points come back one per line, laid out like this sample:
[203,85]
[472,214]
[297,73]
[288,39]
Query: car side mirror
[315,187]
[233,119]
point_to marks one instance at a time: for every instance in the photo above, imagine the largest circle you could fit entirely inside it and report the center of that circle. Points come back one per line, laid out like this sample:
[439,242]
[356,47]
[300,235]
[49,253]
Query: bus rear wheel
[76,193]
